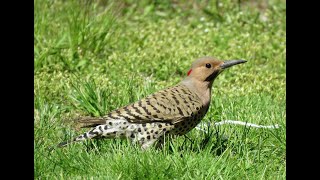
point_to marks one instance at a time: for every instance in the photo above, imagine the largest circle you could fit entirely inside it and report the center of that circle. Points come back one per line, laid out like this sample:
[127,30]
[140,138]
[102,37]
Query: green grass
[91,57]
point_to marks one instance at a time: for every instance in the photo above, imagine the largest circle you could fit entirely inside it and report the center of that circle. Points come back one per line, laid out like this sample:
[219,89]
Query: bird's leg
[147,141]
[147,144]
[160,142]
[163,140]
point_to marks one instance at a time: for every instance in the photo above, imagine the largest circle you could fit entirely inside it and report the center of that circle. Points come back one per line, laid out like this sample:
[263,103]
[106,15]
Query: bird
[170,112]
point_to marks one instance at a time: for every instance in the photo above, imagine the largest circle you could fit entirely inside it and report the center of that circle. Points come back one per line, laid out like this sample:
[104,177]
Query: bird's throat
[201,88]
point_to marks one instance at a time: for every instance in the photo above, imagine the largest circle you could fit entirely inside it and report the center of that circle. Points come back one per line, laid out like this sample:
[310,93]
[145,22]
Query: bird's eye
[208,65]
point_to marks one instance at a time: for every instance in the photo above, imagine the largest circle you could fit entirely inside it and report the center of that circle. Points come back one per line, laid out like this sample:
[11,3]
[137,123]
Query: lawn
[91,57]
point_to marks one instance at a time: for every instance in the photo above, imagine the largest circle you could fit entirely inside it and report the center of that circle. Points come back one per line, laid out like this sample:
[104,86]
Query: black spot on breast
[132,135]
[148,137]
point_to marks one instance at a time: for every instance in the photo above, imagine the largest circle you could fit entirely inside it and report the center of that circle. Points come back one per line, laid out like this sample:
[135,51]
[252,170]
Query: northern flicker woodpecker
[172,111]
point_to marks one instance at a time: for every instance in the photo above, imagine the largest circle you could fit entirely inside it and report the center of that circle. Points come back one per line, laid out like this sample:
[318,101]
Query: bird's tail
[108,129]
[93,133]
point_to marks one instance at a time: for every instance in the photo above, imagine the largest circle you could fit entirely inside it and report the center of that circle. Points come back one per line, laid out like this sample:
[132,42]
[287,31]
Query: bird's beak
[227,64]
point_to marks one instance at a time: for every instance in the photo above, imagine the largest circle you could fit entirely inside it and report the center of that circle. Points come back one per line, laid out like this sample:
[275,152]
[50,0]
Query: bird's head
[206,69]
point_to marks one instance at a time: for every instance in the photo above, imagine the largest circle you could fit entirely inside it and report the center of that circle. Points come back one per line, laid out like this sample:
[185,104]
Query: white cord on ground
[239,123]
